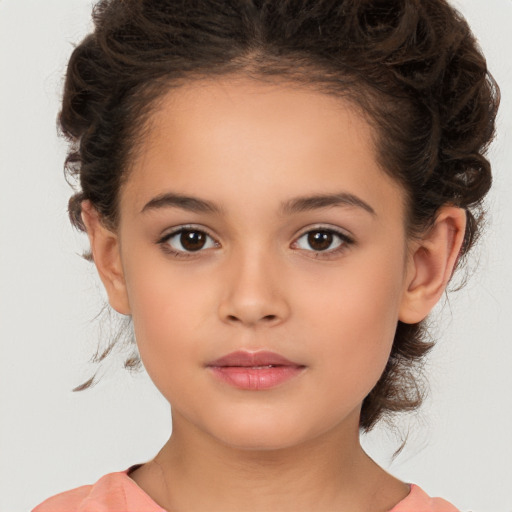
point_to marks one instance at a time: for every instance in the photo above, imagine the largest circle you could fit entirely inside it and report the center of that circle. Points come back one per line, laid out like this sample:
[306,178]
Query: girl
[277,194]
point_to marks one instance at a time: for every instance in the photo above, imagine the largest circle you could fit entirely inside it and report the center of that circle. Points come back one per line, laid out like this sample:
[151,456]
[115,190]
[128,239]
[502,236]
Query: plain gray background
[51,439]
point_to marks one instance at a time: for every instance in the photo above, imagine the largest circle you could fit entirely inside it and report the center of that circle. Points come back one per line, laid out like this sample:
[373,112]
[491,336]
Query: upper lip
[249,359]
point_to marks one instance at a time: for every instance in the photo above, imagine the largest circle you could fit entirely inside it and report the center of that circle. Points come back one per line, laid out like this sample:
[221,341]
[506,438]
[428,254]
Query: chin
[259,442]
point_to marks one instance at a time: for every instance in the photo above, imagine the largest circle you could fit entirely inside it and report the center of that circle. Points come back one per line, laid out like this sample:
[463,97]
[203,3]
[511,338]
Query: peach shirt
[117,492]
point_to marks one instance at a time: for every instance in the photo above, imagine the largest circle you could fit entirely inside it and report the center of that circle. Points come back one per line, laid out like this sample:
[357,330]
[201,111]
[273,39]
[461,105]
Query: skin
[258,284]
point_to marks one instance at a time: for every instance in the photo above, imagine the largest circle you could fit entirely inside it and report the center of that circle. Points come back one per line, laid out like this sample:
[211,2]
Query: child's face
[256,280]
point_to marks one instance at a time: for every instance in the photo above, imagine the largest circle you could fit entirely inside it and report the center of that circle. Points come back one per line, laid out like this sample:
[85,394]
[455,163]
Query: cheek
[163,293]
[167,315]
[352,321]
[362,296]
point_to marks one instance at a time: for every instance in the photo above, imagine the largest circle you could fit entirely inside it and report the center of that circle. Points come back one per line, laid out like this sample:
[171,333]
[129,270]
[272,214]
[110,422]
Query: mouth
[254,371]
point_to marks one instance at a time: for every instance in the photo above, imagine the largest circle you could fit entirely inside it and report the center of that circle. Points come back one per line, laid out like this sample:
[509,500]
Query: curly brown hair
[412,67]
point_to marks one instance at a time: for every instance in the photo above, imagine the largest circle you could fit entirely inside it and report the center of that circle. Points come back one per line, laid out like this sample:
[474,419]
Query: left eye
[320,240]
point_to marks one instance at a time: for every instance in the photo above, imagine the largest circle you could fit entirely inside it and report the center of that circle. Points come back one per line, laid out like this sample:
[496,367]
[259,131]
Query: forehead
[225,136]
[255,110]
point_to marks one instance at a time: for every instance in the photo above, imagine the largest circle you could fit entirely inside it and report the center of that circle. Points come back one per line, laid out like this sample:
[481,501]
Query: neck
[195,472]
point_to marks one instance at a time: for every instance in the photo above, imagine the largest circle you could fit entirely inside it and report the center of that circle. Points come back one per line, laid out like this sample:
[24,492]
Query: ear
[431,264]
[106,255]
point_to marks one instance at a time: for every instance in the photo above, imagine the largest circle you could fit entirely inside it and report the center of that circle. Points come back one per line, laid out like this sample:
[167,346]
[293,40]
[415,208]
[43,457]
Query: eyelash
[345,241]
[163,242]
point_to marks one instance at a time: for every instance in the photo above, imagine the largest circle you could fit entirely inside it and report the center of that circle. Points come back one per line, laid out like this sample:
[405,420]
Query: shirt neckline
[413,489]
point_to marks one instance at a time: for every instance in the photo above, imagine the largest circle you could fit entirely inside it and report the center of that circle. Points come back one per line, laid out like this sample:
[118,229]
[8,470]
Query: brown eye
[322,240]
[187,240]
[192,240]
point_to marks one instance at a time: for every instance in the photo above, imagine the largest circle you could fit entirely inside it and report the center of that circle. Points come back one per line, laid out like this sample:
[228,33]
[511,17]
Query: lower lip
[254,378]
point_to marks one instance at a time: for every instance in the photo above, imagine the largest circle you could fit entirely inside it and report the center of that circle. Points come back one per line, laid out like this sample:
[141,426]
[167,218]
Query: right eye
[185,241]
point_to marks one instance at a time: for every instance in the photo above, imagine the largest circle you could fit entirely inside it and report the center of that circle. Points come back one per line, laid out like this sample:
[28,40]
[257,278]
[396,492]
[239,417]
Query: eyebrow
[295,205]
[317,201]
[175,200]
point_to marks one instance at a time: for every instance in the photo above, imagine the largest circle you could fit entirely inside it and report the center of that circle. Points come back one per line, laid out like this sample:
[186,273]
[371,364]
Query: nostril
[267,318]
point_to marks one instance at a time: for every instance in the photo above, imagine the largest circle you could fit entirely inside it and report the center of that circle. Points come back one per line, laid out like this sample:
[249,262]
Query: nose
[253,292]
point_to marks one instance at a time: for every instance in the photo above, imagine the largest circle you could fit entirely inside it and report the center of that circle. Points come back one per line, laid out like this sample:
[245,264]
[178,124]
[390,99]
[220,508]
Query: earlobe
[106,255]
[431,264]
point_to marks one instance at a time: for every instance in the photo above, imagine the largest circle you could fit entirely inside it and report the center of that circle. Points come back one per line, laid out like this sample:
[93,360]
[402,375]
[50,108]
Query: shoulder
[69,500]
[419,501]
[115,492]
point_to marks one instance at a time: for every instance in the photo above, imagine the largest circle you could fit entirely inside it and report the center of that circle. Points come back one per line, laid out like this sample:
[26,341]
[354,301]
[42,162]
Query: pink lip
[254,370]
